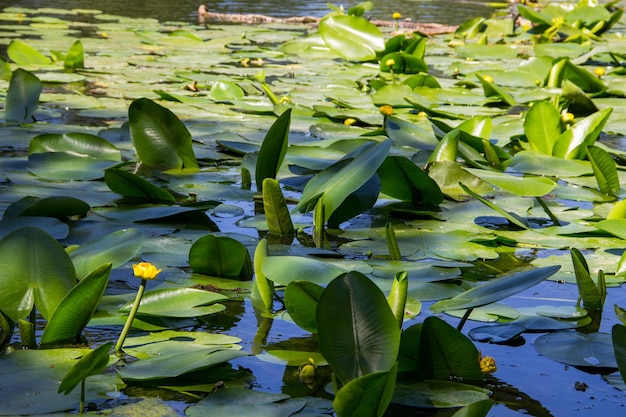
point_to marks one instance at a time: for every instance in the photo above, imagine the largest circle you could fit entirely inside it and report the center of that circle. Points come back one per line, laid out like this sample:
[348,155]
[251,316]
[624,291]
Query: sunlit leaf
[160,139]
[75,310]
[35,271]
[352,37]
[358,333]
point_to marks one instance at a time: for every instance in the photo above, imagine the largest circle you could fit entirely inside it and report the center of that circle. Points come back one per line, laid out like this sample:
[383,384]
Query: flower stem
[131,317]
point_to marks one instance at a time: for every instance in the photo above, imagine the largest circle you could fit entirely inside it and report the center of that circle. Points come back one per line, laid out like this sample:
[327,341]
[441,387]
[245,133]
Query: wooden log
[205,16]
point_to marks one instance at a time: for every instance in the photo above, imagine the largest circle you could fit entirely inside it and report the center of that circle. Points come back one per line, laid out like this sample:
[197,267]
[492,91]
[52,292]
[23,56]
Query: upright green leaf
[337,182]
[619,346]
[160,139]
[366,396]
[262,296]
[220,256]
[301,298]
[75,310]
[542,126]
[22,96]
[276,210]
[93,363]
[587,289]
[572,143]
[446,353]
[604,169]
[75,57]
[35,271]
[397,296]
[352,37]
[358,333]
[402,179]
[273,149]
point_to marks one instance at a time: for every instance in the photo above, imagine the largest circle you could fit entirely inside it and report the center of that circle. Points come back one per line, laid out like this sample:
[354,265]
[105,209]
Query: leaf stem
[464,319]
[131,317]
[81,404]
[548,211]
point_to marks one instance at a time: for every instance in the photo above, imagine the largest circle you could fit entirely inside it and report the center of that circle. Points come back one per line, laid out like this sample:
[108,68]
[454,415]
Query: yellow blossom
[396,16]
[349,121]
[104,35]
[567,117]
[390,62]
[386,110]
[599,71]
[145,270]
[488,78]
[422,114]
[487,364]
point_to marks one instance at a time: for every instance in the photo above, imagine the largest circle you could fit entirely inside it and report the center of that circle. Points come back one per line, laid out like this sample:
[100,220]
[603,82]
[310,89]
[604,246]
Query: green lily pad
[578,349]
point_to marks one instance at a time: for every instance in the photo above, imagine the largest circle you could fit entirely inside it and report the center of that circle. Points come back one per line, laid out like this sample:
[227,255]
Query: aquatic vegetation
[386,192]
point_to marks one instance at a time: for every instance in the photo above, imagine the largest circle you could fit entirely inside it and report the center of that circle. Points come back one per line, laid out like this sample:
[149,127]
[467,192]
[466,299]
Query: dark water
[439,11]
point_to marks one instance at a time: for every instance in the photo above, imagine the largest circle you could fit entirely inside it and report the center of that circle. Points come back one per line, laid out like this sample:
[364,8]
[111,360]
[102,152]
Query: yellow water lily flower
[386,110]
[307,371]
[349,121]
[599,71]
[390,62]
[488,78]
[145,270]
[396,16]
[487,364]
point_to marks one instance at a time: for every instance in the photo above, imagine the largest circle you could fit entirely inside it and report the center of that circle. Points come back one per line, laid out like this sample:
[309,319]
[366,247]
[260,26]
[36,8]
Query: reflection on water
[449,12]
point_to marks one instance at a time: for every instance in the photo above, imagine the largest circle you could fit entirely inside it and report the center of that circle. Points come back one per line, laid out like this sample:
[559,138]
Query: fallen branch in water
[204,15]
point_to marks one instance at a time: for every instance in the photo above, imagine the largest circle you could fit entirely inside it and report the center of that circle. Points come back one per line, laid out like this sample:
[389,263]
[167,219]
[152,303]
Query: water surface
[449,12]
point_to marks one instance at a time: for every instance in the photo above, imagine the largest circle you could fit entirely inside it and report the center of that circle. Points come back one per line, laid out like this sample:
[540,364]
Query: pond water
[449,12]
[123,67]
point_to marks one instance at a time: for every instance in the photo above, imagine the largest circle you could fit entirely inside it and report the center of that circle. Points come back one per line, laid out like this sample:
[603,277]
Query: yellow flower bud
[386,110]
[396,16]
[567,117]
[422,114]
[390,62]
[488,78]
[307,371]
[104,35]
[145,270]
[349,121]
[487,364]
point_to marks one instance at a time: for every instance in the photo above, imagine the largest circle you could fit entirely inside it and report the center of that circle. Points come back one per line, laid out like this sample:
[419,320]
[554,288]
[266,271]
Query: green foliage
[277,215]
[93,363]
[495,290]
[75,59]
[36,272]
[75,310]
[273,149]
[618,334]
[352,37]
[262,295]
[301,298]
[135,189]
[59,207]
[593,295]
[22,97]
[358,333]
[445,353]
[23,54]
[220,256]
[160,139]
